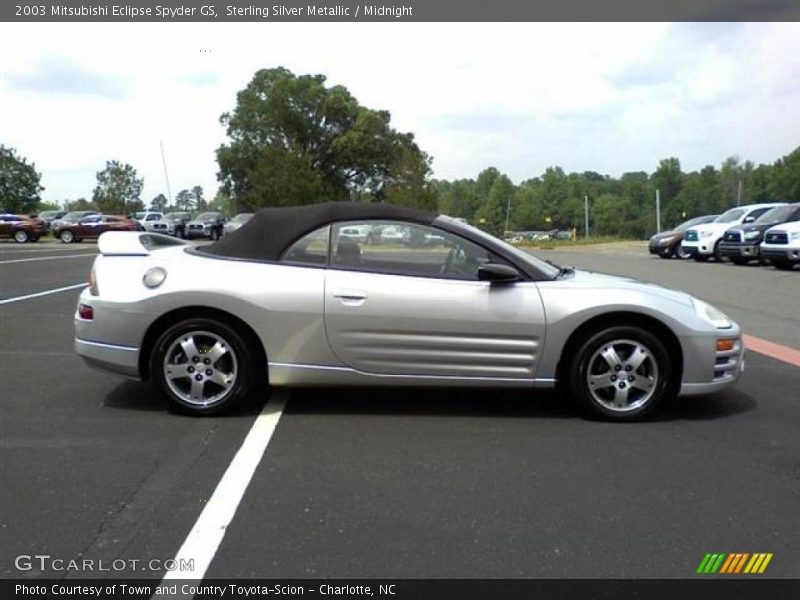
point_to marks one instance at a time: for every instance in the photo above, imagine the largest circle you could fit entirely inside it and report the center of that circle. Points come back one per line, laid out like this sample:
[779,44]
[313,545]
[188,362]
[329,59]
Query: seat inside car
[348,252]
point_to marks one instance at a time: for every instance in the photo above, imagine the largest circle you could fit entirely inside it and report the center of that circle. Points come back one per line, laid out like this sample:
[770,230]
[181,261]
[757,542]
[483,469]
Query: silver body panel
[324,326]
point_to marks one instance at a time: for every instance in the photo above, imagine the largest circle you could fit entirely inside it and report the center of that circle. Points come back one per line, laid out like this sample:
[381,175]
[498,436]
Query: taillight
[85,312]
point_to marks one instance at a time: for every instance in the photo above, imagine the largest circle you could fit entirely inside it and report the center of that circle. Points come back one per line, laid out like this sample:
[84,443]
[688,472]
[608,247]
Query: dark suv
[743,243]
[208,225]
[668,243]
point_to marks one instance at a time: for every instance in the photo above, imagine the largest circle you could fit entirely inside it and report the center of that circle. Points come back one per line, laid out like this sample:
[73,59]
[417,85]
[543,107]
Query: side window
[399,248]
[309,250]
[757,213]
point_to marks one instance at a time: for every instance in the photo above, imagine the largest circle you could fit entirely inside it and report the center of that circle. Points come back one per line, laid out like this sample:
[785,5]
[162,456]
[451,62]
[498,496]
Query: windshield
[74,216]
[779,214]
[208,216]
[242,218]
[177,215]
[547,268]
[729,216]
[696,221]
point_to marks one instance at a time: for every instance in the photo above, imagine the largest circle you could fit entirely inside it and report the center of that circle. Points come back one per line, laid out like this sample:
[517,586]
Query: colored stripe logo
[737,562]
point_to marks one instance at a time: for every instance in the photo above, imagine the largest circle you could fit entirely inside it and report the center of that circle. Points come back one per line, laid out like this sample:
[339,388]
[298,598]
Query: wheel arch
[620,318]
[174,316]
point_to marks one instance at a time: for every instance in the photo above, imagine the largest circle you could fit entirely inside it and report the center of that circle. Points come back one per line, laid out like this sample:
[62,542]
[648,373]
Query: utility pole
[508,213]
[658,211]
[166,175]
[586,214]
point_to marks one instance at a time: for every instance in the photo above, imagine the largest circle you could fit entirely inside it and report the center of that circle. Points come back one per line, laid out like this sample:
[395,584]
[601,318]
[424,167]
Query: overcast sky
[521,97]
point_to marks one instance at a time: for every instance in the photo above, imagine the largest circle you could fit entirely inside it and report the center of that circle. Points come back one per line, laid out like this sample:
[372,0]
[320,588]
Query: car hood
[666,234]
[195,222]
[592,280]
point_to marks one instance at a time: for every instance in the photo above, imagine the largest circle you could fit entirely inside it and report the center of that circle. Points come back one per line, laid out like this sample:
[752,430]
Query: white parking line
[22,260]
[44,293]
[205,537]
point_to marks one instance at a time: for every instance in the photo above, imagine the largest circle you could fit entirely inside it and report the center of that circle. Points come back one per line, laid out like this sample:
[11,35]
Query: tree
[185,200]
[492,215]
[159,203]
[118,189]
[199,202]
[19,183]
[81,204]
[295,141]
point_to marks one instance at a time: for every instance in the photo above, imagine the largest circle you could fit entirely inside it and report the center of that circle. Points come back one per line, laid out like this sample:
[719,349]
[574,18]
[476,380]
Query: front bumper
[785,253]
[741,249]
[700,377]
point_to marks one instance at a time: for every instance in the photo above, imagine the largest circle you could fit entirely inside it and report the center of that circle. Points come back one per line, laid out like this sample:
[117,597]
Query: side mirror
[749,219]
[498,273]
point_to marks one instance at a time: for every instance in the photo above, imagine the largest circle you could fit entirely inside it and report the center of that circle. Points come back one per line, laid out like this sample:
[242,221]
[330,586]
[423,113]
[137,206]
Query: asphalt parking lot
[365,483]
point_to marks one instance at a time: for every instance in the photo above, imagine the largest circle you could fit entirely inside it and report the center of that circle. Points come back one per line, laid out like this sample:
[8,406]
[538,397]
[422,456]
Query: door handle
[350,295]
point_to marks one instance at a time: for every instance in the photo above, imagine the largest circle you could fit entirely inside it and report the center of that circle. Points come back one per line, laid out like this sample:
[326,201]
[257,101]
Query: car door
[88,227]
[6,226]
[416,307]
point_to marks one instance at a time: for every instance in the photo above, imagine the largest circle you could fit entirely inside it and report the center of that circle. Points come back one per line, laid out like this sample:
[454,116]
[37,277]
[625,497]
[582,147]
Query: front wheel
[681,253]
[214,234]
[738,260]
[782,264]
[21,236]
[621,374]
[202,366]
[67,237]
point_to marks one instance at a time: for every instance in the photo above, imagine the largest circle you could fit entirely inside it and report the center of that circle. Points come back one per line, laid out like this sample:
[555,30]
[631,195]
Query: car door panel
[406,325]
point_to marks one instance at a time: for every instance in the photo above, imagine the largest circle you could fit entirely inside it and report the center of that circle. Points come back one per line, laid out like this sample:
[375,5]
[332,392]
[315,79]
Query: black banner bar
[702,588]
[399,10]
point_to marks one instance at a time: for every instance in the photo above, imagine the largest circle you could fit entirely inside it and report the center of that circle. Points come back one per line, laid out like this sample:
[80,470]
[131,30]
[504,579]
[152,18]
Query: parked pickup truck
[743,243]
[781,245]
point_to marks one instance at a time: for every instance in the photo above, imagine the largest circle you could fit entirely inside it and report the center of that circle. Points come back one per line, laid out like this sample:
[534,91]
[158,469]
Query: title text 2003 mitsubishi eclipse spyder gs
[290,300]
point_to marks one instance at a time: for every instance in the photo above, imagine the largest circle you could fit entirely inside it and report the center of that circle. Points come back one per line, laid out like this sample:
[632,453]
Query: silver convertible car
[291,300]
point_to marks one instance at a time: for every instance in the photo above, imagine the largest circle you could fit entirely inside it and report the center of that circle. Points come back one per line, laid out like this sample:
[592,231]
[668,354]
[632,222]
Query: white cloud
[522,96]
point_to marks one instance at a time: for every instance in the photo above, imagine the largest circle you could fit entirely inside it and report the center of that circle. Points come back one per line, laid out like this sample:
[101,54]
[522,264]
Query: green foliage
[295,141]
[81,204]
[118,189]
[159,203]
[43,206]
[19,183]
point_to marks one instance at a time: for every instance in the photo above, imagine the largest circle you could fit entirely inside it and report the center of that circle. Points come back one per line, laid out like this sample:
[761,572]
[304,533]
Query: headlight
[752,235]
[704,233]
[794,235]
[711,314]
[154,277]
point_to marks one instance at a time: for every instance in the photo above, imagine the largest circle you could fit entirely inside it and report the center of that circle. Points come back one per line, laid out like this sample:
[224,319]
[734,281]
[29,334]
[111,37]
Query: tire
[782,264]
[700,257]
[718,253]
[666,253]
[21,236]
[67,237]
[225,380]
[179,232]
[639,392]
[681,254]
[214,234]
[738,260]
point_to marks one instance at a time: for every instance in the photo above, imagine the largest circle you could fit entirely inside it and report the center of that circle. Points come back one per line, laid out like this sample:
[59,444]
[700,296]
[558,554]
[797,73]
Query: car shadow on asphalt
[489,403]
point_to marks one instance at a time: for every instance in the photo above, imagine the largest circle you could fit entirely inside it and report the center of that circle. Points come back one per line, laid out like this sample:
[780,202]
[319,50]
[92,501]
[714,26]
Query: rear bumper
[109,357]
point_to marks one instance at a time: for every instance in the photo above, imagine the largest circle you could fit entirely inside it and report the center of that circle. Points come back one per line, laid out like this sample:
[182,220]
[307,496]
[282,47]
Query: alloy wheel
[200,368]
[622,375]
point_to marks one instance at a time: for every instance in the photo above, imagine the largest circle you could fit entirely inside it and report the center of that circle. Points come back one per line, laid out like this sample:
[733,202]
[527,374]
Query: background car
[48,216]
[93,226]
[668,243]
[743,244]
[146,218]
[781,245]
[21,228]
[173,223]
[207,225]
[291,300]
[236,222]
[703,242]
[70,218]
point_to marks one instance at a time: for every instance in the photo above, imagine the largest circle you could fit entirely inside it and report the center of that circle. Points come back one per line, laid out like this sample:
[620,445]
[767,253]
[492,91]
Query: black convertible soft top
[273,230]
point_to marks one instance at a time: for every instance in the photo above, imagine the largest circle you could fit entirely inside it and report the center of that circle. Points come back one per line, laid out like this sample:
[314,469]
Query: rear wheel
[67,236]
[202,366]
[621,374]
[21,236]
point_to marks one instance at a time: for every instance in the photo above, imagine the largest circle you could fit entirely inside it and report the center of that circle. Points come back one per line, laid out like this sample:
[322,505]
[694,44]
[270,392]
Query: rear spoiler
[134,243]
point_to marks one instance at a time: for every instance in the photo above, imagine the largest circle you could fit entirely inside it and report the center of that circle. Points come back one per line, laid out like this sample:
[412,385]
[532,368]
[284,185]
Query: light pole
[658,211]
[508,213]
[586,215]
